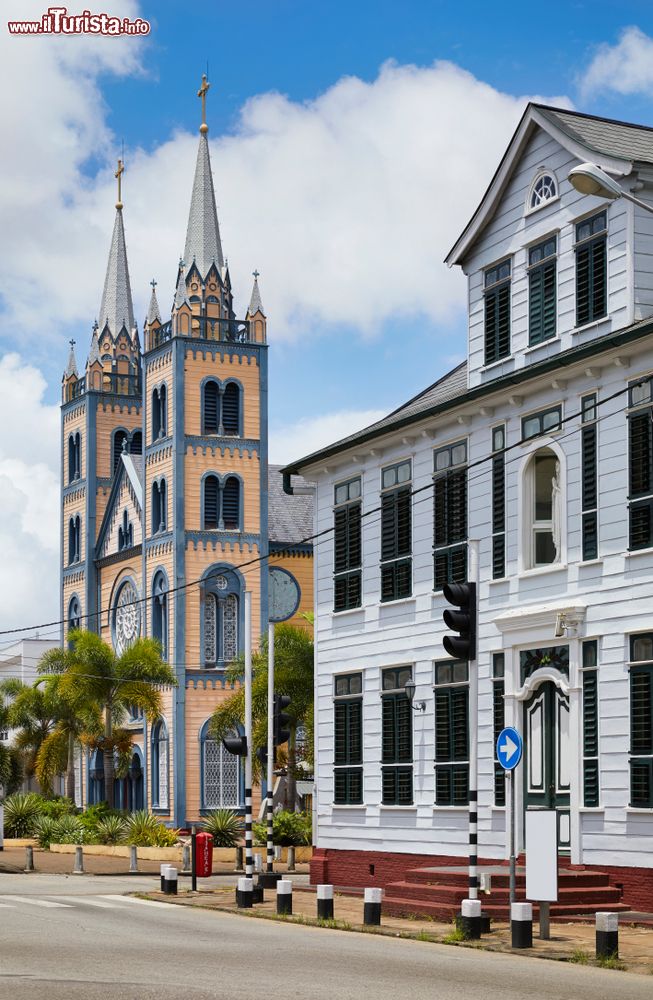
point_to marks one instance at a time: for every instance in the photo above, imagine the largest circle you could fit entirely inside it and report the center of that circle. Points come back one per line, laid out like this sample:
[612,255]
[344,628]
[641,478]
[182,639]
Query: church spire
[153,312]
[116,308]
[71,367]
[203,245]
[255,303]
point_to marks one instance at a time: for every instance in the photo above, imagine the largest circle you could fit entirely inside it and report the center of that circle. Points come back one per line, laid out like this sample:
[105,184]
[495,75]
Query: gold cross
[118,174]
[202,93]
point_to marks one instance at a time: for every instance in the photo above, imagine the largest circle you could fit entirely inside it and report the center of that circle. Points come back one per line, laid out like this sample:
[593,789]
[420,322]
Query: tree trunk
[70,768]
[291,781]
[108,759]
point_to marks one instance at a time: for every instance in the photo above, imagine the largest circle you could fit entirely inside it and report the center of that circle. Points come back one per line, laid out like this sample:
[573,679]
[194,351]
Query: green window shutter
[355,726]
[443,749]
[498,493]
[498,720]
[404,780]
[542,303]
[457,506]
[404,531]
[590,536]
[641,711]
[640,440]
[498,557]
[443,786]
[591,784]
[497,323]
[459,724]
[389,744]
[404,738]
[599,297]
[588,447]
[460,785]
[440,511]
[591,281]
[641,784]
[388,526]
[641,523]
[582,285]
[340,734]
[389,785]
[590,738]
[354,548]
[340,561]
[340,787]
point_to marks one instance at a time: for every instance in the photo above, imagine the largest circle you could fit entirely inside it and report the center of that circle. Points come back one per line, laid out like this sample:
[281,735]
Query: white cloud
[303,437]
[626,67]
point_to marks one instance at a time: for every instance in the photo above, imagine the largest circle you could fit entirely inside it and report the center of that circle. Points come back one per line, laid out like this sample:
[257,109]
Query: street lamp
[417,706]
[590,179]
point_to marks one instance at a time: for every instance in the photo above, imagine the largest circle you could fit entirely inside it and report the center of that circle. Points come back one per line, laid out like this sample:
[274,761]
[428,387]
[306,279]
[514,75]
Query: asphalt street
[71,938]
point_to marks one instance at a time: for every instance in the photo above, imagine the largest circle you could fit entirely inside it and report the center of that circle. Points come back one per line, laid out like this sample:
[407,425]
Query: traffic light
[281,719]
[236,745]
[462,621]
[262,754]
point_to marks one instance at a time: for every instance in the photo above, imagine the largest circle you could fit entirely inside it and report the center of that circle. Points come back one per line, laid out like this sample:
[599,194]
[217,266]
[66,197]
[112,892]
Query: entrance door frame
[534,628]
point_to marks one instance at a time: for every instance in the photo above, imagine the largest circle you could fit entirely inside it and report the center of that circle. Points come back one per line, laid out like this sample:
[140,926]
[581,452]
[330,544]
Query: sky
[350,144]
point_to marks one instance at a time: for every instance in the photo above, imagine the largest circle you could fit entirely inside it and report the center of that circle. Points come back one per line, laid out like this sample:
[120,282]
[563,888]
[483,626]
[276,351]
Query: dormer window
[497,312]
[543,190]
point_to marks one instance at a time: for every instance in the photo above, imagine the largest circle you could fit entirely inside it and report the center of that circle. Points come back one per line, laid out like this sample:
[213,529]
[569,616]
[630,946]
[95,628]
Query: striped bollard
[607,935]
[79,861]
[164,869]
[470,919]
[325,902]
[133,860]
[245,893]
[284,896]
[521,925]
[372,907]
[171,881]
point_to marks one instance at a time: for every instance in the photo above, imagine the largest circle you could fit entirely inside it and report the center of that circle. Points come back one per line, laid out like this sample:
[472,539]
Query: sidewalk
[568,942]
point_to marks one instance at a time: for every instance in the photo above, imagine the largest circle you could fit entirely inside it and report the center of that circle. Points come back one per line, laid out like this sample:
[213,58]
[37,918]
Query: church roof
[255,303]
[94,353]
[116,307]
[203,234]
[290,518]
[71,367]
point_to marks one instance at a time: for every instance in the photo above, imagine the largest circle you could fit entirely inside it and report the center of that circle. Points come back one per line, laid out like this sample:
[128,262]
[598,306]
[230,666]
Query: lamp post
[417,706]
[590,179]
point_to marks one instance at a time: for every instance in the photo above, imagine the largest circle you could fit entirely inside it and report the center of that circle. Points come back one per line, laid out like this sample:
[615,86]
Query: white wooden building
[537,456]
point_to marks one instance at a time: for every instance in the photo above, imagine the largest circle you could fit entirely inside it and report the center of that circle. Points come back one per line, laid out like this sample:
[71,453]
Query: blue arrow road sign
[509,748]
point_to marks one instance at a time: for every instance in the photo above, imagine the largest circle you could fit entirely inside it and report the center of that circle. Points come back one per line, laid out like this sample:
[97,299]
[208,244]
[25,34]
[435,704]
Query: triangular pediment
[126,498]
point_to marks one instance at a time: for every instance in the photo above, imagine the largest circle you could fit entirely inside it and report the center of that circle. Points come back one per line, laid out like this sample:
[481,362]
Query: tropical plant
[110,830]
[68,830]
[293,676]
[92,675]
[289,829]
[225,826]
[45,831]
[145,830]
[22,809]
[93,815]
[57,807]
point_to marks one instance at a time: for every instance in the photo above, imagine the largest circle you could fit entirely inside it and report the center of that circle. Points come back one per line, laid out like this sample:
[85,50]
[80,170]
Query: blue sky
[350,143]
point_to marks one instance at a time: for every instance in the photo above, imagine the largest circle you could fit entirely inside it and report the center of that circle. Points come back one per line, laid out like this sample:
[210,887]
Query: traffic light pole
[473,741]
[270,775]
[249,860]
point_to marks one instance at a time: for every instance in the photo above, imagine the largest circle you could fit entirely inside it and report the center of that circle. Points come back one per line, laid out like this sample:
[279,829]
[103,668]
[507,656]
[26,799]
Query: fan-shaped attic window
[543,189]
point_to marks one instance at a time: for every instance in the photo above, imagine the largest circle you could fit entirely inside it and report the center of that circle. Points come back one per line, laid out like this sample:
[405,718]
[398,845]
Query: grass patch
[611,962]
[455,935]
[580,957]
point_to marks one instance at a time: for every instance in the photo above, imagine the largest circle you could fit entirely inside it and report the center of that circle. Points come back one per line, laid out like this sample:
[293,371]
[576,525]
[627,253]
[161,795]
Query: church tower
[204,493]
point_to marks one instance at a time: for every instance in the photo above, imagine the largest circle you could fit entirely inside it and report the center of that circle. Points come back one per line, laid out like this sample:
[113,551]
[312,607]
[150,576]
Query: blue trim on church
[179,575]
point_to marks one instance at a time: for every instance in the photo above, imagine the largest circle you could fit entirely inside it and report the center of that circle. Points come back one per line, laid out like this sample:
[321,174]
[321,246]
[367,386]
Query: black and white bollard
[521,925]
[372,907]
[171,881]
[245,893]
[325,902]
[133,859]
[29,858]
[470,919]
[284,896]
[164,869]
[607,935]
[79,861]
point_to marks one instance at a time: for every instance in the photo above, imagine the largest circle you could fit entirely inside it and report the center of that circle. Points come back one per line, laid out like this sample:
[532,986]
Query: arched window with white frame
[159,758]
[221,626]
[542,509]
[220,773]
[543,189]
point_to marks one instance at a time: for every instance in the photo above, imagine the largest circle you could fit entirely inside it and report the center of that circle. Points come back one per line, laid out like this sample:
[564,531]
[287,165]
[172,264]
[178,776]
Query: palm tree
[92,675]
[8,760]
[32,710]
[75,723]
[293,676]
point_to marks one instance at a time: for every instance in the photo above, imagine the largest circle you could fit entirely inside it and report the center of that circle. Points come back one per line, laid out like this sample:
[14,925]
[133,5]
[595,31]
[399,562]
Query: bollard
[291,859]
[277,852]
[470,919]
[244,893]
[79,861]
[171,881]
[240,853]
[284,896]
[607,935]
[372,907]
[133,859]
[521,925]
[29,858]
[164,869]
[325,902]
[185,859]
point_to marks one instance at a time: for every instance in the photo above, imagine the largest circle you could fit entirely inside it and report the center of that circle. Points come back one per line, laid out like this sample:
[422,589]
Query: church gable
[122,523]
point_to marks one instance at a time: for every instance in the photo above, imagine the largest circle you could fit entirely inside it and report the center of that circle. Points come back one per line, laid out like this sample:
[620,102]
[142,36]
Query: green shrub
[289,829]
[45,831]
[110,830]
[22,809]
[69,830]
[58,807]
[144,830]
[93,815]
[226,827]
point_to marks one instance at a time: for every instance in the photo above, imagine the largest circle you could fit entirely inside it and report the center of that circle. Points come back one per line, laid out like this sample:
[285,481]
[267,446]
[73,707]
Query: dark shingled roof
[290,518]
[604,135]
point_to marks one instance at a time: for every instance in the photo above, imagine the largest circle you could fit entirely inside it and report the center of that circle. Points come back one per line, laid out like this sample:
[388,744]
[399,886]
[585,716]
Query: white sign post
[542,862]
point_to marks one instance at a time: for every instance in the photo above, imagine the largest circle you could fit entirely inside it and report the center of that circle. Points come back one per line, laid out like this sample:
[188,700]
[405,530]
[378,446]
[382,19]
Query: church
[169,503]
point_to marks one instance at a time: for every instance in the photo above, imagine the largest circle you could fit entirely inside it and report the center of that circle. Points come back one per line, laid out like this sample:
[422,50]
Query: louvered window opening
[451,692]
[450,515]
[542,294]
[640,467]
[497,312]
[498,503]
[231,504]
[498,721]
[396,739]
[221,409]
[119,439]
[159,413]
[347,556]
[211,408]
[74,457]
[211,502]
[220,629]
[231,409]
[74,540]
[591,769]
[348,740]
[591,269]
[589,471]
[641,722]
[396,532]
[136,443]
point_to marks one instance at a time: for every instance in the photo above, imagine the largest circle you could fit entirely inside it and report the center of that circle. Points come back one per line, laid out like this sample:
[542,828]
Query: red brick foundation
[365,869]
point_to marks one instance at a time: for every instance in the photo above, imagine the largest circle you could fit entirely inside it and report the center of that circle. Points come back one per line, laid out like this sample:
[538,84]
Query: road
[81,938]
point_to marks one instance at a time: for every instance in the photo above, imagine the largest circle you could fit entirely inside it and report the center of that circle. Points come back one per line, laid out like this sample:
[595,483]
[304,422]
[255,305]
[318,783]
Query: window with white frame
[542,509]
[543,189]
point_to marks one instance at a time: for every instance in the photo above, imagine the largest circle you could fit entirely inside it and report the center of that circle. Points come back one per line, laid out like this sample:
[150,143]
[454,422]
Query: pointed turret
[153,311]
[203,246]
[255,303]
[116,308]
[256,313]
[94,353]
[71,367]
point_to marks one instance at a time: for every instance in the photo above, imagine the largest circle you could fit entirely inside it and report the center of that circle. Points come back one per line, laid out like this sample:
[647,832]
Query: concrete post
[284,896]
[470,919]
[239,858]
[607,935]
[521,925]
[185,859]
[372,907]
[29,858]
[244,893]
[79,861]
[325,902]
[291,859]
[133,859]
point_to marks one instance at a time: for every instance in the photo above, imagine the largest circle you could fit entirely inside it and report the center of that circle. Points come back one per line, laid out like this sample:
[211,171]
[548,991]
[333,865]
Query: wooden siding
[108,418]
[124,502]
[248,468]
[237,367]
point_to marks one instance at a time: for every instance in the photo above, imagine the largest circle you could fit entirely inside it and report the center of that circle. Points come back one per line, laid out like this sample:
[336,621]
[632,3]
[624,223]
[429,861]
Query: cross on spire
[256,275]
[202,92]
[118,175]
[153,283]
[72,344]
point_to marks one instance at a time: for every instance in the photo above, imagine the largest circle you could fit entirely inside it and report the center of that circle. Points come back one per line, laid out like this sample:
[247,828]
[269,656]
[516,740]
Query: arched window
[136,443]
[210,410]
[221,621]
[74,613]
[74,456]
[119,439]
[156,415]
[163,411]
[74,539]
[543,189]
[542,509]
[211,503]
[231,504]
[231,408]
[126,624]
[159,757]
[159,508]
[219,774]
[160,611]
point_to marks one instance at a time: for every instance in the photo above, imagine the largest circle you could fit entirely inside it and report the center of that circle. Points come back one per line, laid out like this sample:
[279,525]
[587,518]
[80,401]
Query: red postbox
[204,855]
